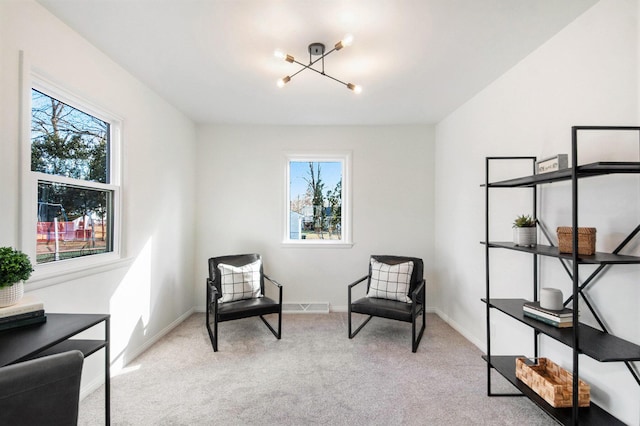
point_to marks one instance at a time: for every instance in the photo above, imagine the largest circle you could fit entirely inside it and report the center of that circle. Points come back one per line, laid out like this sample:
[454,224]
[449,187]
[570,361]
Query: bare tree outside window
[315,204]
[74,205]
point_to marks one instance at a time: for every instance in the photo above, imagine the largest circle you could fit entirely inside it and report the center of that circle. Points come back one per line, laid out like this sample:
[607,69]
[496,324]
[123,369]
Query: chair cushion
[240,282]
[384,308]
[247,308]
[390,281]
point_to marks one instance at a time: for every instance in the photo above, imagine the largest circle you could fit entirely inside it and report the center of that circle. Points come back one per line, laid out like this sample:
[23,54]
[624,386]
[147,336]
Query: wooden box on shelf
[586,240]
[553,383]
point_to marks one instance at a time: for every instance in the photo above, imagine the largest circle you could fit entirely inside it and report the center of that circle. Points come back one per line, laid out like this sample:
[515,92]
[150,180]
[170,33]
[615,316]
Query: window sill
[52,274]
[317,244]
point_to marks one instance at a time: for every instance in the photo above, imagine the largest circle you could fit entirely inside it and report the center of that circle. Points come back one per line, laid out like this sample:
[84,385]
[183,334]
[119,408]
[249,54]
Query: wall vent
[305,308]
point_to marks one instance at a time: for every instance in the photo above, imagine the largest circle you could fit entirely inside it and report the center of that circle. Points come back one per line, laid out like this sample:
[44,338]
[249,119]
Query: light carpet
[314,375]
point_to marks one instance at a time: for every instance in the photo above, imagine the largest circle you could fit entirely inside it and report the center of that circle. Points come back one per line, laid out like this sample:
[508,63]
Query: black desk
[54,336]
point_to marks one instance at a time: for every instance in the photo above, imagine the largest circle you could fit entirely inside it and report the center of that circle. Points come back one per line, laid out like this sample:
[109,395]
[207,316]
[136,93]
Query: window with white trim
[73,179]
[317,194]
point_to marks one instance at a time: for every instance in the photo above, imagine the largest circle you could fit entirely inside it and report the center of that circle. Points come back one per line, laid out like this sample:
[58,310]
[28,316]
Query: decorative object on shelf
[525,231]
[552,383]
[15,268]
[552,164]
[551,298]
[586,240]
[317,49]
[560,318]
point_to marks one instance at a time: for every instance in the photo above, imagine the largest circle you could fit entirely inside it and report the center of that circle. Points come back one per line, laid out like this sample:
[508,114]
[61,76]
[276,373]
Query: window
[317,210]
[72,179]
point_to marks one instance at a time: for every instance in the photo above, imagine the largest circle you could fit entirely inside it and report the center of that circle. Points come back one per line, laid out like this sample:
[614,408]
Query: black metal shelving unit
[598,344]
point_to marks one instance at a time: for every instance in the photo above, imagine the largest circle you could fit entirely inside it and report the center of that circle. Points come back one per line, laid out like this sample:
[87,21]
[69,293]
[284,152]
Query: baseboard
[470,337]
[99,381]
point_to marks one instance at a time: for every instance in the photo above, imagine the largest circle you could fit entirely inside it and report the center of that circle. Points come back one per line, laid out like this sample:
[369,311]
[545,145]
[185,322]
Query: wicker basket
[586,240]
[553,383]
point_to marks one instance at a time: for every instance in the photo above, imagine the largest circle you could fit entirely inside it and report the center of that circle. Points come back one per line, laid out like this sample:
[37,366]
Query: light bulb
[281,82]
[281,55]
[347,40]
[355,88]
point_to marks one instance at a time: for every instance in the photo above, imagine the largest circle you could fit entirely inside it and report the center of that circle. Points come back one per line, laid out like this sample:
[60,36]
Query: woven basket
[586,240]
[553,383]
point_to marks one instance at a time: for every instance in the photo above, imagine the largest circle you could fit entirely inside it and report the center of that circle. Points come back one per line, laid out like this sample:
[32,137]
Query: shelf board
[594,343]
[87,347]
[587,170]
[592,415]
[544,250]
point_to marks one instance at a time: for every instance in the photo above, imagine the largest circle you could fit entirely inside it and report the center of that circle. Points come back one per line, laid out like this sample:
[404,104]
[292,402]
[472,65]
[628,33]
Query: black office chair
[42,391]
[395,290]
[235,290]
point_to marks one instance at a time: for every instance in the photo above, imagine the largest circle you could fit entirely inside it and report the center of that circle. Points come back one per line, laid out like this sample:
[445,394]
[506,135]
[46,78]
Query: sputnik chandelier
[317,49]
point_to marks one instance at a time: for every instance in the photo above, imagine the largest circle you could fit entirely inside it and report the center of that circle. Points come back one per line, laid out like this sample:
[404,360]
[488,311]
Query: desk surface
[20,344]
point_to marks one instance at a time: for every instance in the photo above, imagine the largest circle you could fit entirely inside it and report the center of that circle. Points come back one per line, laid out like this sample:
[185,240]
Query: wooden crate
[553,383]
[586,240]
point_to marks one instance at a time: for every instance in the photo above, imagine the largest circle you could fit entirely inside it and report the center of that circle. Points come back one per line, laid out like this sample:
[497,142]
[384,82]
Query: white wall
[155,287]
[241,192]
[586,74]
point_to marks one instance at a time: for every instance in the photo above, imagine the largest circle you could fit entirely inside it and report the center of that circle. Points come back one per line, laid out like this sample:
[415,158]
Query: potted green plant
[15,268]
[525,231]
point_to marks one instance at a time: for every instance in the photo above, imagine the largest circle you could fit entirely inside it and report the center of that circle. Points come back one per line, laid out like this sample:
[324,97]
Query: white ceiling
[417,60]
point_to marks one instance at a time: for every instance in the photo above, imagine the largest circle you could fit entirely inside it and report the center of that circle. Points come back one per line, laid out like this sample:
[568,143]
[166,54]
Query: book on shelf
[25,315]
[26,304]
[558,324]
[547,316]
[535,307]
[23,322]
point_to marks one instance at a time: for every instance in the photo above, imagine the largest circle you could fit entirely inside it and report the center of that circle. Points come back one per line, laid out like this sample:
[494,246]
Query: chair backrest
[233,260]
[41,391]
[416,276]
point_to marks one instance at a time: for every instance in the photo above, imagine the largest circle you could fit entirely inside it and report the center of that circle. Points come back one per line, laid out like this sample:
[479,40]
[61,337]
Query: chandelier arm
[335,79]
[319,72]
[299,71]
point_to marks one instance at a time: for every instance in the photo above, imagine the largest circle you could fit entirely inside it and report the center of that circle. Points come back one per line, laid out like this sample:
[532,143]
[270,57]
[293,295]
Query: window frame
[343,157]
[58,271]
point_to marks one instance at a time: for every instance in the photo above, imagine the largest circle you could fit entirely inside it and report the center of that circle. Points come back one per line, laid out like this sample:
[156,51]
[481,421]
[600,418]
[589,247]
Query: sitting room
[362,170]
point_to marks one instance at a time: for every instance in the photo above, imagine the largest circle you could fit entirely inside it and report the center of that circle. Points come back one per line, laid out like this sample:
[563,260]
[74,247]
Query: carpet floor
[314,375]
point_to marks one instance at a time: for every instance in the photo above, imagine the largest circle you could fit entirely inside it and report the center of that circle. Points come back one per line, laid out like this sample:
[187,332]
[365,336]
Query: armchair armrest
[278,285]
[212,291]
[352,285]
[355,283]
[417,291]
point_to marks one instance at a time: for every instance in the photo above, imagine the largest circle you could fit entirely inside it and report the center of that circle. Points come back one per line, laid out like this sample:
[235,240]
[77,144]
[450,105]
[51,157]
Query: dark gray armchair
[42,391]
[383,300]
[245,304]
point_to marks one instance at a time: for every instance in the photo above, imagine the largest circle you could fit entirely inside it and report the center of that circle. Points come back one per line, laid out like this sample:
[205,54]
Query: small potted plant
[15,268]
[524,231]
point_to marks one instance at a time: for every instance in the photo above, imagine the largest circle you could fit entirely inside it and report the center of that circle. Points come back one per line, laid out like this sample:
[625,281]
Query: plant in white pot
[525,231]
[15,268]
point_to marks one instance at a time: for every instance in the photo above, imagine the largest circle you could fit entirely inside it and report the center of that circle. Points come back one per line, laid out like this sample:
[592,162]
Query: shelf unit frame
[571,337]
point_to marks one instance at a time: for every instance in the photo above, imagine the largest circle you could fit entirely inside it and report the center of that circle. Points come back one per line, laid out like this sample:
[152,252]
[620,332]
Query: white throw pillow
[240,282]
[390,281]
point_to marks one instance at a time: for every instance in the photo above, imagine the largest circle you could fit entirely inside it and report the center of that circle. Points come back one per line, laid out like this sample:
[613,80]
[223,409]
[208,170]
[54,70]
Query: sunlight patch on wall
[130,306]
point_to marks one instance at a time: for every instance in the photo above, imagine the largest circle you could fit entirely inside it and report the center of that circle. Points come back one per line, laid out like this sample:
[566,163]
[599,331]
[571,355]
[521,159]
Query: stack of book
[27,311]
[561,319]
